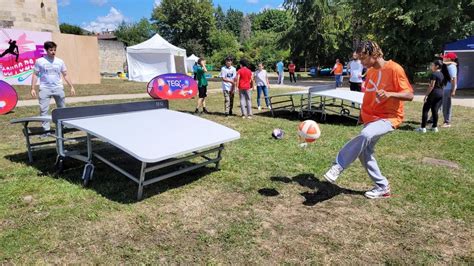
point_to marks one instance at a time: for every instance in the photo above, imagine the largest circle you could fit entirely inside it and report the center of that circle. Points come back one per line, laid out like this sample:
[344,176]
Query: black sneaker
[230,112]
[196,111]
[205,110]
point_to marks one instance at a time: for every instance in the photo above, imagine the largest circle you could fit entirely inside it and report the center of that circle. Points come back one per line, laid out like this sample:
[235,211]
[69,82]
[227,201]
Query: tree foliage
[70,29]
[134,33]
[223,44]
[219,16]
[410,32]
[310,35]
[233,21]
[272,20]
[180,21]
[261,47]
[245,29]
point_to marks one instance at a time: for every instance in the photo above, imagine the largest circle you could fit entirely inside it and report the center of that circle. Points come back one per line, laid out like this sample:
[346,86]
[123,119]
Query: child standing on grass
[263,85]
[433,97]
[387,87]
[202,85]
[450,60]
[228,74]
[245,84]
[337,70]
[49,70]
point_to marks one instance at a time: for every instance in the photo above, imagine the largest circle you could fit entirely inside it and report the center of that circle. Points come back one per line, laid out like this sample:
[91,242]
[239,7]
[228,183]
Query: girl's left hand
[453,93]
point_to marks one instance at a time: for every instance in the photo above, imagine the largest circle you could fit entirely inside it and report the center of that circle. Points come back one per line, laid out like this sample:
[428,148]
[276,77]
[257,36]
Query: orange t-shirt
[390,78]
[337,69]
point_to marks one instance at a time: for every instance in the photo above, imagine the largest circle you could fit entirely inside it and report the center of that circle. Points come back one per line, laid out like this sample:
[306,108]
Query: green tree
[310,35]
[133,33]
[219,16]
[223,43]
[194,46]
[245,29]
[179,21]
[70,29]
[272,20]
[262,47]
[233,21]
[411,32]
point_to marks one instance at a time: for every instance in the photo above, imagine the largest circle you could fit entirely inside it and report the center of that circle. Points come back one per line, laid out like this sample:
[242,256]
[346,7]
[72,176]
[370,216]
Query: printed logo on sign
[172,86]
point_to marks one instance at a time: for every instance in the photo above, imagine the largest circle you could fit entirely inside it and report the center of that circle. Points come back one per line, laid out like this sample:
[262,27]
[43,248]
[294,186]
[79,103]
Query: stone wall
[29,15]
[112,56]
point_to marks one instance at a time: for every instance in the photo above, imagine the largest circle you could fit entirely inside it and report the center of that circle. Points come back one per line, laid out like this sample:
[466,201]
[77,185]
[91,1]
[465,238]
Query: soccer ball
[278,133]
[309,131]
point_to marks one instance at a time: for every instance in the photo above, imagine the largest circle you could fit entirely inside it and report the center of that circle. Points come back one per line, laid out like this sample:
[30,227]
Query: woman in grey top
[263,85]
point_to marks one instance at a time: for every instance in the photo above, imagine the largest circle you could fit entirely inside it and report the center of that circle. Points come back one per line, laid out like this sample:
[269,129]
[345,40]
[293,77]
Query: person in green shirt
[202,85]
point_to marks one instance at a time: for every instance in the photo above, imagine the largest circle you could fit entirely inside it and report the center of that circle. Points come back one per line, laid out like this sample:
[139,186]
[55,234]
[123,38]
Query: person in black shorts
[202,85]
[433,97]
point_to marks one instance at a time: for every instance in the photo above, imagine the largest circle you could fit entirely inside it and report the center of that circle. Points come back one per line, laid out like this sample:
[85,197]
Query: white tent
[154,57]
[190,62]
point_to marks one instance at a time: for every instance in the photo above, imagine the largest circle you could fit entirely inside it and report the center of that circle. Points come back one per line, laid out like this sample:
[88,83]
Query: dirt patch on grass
[438,162]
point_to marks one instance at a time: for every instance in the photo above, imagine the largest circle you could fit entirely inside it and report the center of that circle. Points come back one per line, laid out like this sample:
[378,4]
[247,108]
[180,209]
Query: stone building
[34,15]
[112,54]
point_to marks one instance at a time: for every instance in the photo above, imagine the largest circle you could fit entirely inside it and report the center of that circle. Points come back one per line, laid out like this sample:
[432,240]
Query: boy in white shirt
[228,74]
[49,69]
[355,67]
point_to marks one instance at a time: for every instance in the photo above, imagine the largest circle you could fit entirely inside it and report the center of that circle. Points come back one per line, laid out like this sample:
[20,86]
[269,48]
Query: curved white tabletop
[155,135]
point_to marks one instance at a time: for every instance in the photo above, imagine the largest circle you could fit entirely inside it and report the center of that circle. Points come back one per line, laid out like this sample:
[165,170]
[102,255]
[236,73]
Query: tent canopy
[464,49]
[461,45]
[190,62]
[154,57]
[156,45]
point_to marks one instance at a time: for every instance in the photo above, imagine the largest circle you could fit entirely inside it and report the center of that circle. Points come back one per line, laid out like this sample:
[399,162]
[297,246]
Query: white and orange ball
[309,131]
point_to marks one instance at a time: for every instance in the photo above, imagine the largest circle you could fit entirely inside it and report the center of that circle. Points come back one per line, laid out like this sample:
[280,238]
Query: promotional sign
[8,97]
[172,86]
[19,50]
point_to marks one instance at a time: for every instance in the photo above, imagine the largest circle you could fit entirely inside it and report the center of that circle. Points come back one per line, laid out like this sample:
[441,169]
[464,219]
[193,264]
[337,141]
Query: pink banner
[19,50]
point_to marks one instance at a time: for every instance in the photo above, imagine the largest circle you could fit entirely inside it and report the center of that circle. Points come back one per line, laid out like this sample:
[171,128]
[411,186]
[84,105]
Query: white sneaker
[260,108]
[421,129]
[333,173]
[45,135]
[434,129]
[378,193]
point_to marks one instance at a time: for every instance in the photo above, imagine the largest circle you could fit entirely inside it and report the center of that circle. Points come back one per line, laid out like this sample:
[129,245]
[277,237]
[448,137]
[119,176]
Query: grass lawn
[268,203]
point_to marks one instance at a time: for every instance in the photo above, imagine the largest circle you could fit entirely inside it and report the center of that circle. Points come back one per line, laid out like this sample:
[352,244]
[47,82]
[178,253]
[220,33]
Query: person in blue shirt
[280,70]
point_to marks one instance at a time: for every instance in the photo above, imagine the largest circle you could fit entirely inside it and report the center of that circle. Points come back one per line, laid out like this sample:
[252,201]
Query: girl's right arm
[430,88]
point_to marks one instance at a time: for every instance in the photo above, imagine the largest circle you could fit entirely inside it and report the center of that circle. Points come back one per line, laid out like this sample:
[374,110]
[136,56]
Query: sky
[101,15]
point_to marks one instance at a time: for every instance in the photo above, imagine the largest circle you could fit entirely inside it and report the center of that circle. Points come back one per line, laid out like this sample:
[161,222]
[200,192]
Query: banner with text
[19,50]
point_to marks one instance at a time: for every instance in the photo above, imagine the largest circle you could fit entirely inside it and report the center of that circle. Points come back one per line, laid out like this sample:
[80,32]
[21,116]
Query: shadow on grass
[332,119]
[106,181]
[409,125]
[323,189]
